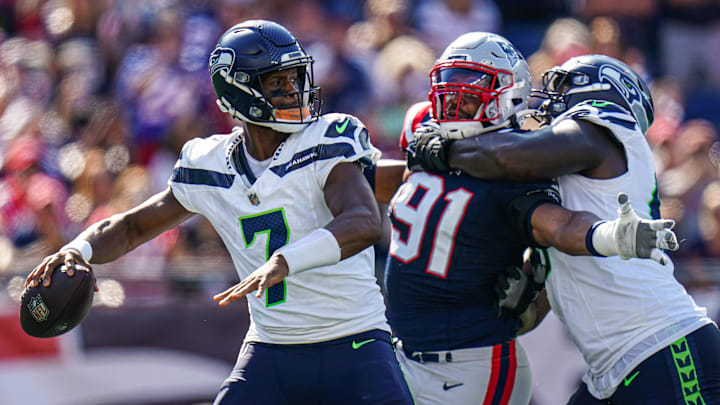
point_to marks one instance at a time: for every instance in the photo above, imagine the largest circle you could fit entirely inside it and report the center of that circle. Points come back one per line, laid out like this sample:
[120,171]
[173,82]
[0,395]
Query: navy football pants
[358,369]
[687,372]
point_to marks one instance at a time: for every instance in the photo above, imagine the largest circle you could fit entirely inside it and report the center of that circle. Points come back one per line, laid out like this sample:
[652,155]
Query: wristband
[317,249]
[601,238]
[82,246]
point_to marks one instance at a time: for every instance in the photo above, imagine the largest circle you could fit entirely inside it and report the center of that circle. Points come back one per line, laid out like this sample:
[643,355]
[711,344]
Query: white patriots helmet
[483,69]
[244,53]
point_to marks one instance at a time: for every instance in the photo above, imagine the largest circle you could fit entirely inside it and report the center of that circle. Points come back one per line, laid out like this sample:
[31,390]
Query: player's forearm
[476,158]
[109,239]
[524,156]
[563,229]
[507,156]
[121,233]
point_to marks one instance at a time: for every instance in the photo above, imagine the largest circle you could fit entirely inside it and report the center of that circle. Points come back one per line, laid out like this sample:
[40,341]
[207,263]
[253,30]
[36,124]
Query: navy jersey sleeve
[521,199]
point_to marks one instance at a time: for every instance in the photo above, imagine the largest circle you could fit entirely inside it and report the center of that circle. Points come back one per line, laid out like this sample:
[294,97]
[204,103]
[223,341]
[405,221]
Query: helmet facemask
[467,91]
[560,85]
[481,83]
[307,100]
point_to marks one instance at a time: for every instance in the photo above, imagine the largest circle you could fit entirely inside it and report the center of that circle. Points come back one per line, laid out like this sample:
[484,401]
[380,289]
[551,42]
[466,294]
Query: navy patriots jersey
[452,235]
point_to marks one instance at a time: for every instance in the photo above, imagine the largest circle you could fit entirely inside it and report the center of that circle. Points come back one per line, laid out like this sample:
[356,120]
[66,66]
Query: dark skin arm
[571,146]
[119,234]
[356,226]
[553,225]
[389,175]
[357,223]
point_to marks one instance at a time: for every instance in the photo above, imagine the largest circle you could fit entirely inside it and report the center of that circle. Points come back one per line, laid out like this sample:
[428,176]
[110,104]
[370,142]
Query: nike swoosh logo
[630,379]
[357,345]
[341,128]
[447,387]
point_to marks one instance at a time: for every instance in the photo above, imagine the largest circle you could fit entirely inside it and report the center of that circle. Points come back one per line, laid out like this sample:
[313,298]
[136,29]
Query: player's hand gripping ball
[51,311]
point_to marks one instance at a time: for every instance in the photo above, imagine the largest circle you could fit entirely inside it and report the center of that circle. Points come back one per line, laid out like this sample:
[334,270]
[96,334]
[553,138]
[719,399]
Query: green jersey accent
[687,373]
[341,128]
[357,345]
[654,203]
[274,225]
[630,379]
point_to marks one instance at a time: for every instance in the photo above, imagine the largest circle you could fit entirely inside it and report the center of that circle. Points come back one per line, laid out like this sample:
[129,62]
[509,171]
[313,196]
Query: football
[51,311]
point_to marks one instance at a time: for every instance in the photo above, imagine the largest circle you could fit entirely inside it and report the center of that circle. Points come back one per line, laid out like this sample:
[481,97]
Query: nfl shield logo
[254,200]
[38,309]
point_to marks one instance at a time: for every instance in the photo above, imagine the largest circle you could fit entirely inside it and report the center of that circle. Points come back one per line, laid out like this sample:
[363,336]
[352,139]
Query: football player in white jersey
[643,336]
[287,195]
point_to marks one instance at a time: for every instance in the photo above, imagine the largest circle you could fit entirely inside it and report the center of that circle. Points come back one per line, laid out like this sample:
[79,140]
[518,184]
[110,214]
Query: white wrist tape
[317,249]
[82,246]
[603,238]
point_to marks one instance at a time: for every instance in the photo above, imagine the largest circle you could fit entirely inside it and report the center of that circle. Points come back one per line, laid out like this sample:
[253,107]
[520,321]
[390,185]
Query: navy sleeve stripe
[320,152]
[201,176]
[588,239]
[329,151]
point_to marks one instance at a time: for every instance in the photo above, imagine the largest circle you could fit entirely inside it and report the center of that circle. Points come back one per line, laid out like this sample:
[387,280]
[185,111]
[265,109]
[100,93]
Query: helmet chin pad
[292,113]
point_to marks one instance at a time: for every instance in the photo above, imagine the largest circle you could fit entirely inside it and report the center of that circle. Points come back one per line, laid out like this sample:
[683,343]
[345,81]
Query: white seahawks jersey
[618,312]
[257,213]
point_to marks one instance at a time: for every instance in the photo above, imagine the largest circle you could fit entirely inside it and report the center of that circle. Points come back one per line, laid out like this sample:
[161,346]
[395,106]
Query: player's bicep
[350,199]
[156,215]
[346,189]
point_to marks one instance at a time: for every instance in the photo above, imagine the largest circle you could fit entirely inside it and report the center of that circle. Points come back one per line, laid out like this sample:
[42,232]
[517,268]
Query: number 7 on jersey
[274,224]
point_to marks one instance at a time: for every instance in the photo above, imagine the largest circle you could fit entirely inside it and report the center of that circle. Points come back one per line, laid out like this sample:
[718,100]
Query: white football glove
[630,236]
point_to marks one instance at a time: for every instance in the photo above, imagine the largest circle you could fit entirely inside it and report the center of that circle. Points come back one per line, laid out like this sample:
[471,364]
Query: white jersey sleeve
[617,312]
[340,138]
[198,165]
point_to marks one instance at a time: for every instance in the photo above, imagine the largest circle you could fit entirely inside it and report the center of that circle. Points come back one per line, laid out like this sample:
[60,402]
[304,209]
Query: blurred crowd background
[98,96]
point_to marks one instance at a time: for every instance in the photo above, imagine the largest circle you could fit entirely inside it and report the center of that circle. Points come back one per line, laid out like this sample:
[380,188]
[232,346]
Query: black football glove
[428,150]
[515,289]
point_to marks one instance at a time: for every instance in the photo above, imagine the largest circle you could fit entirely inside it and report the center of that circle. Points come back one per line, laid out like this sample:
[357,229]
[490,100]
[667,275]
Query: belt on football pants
[431,357]
[448,356]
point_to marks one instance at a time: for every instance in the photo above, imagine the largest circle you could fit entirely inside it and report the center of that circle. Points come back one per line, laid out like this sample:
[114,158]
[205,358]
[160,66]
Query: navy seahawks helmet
[597,77]
[244,53]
